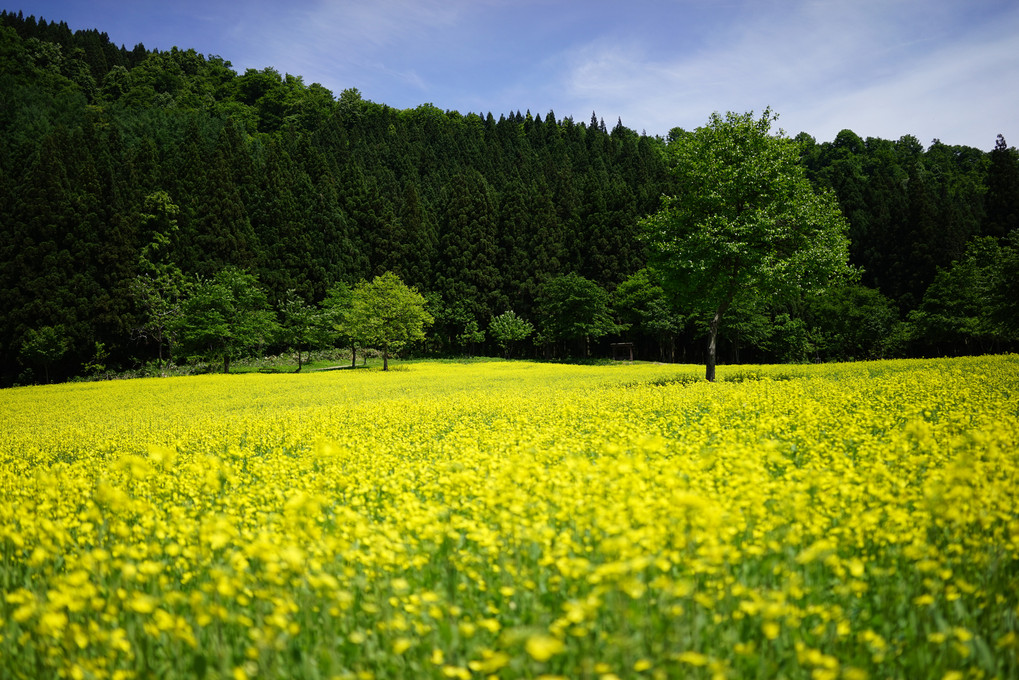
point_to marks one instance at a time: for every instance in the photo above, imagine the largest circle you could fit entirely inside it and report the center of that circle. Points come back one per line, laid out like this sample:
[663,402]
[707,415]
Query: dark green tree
[957,313]
[854,322]
[1002,191]
[160,296]
[573,311]
[643,309]
[226,316]
[336,310]
[469,246]
[1005,292]
[303,327]
[42,347]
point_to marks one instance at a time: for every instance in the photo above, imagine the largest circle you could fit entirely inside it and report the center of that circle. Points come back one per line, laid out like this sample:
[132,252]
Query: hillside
[110,156]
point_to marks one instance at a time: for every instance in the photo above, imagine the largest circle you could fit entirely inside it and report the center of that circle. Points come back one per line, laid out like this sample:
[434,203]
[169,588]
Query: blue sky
[883,68]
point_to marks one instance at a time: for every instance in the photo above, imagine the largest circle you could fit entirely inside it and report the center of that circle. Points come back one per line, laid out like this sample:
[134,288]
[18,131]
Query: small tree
[303,327]
[161,297]
[574,310]
[44,346]
[746,222]
[160,288]
[641,304]
[336,315]
[471,337]
[854,323]
[507,329]
[387,314]
[226,316]
[957,313]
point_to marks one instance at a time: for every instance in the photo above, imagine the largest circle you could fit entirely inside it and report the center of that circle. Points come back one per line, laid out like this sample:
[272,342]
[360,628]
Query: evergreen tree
[469,249]
[1002,191]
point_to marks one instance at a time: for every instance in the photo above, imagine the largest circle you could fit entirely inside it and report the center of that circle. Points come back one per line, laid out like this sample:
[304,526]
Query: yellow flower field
[516,520]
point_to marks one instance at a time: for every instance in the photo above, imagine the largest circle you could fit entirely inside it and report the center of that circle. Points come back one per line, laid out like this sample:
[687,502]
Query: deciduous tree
[225,316]
[508,328]
[746,221]
[303,327]
[387,314]
[574,310]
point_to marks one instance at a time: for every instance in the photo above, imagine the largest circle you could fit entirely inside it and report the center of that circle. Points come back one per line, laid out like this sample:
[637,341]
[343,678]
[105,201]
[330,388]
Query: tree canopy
[388,314]
[574,310]
[745,222]
[225,316]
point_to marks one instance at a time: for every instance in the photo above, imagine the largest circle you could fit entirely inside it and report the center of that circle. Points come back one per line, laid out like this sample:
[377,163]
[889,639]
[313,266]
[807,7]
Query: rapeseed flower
[511,519]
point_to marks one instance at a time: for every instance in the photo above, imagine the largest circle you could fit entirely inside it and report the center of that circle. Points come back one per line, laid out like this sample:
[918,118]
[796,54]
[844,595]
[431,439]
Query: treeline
[113,161]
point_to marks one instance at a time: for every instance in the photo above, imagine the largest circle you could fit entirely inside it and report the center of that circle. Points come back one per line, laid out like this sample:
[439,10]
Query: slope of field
[516,520]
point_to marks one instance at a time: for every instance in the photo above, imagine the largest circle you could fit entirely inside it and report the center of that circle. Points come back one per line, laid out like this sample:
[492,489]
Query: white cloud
[879,68]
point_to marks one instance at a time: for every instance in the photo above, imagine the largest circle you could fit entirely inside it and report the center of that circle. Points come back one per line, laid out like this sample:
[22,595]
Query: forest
[132,180]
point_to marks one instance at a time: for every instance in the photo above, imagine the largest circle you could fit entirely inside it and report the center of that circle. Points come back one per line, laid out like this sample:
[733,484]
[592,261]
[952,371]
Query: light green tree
[746,222]
[508,328]
[387,314]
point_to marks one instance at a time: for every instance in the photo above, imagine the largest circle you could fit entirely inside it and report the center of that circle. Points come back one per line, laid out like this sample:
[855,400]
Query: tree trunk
[226,363]
[385,360]
[353,356]
[710,372]
[712,341]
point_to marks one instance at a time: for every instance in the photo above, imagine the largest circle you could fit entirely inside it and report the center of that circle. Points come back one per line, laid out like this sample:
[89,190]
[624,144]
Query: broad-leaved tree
[387,314]
[745,223]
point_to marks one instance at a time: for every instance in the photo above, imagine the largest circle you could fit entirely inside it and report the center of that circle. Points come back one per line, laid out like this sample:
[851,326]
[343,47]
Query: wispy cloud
[343,44]
[883,68]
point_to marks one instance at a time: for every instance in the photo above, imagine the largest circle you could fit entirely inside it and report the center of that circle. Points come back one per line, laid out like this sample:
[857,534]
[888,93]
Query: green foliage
[118,163]
[968,308]
[854,323]
[226,316]
[159,228]
[1005,293]
[97,364]
[471,337]
[303,327]
[387,314]
[160,296]
[42,347]
[746,221]
[336,309]
[508,329]
[574,310]
[790,339]
[1002,190]
[642,306]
